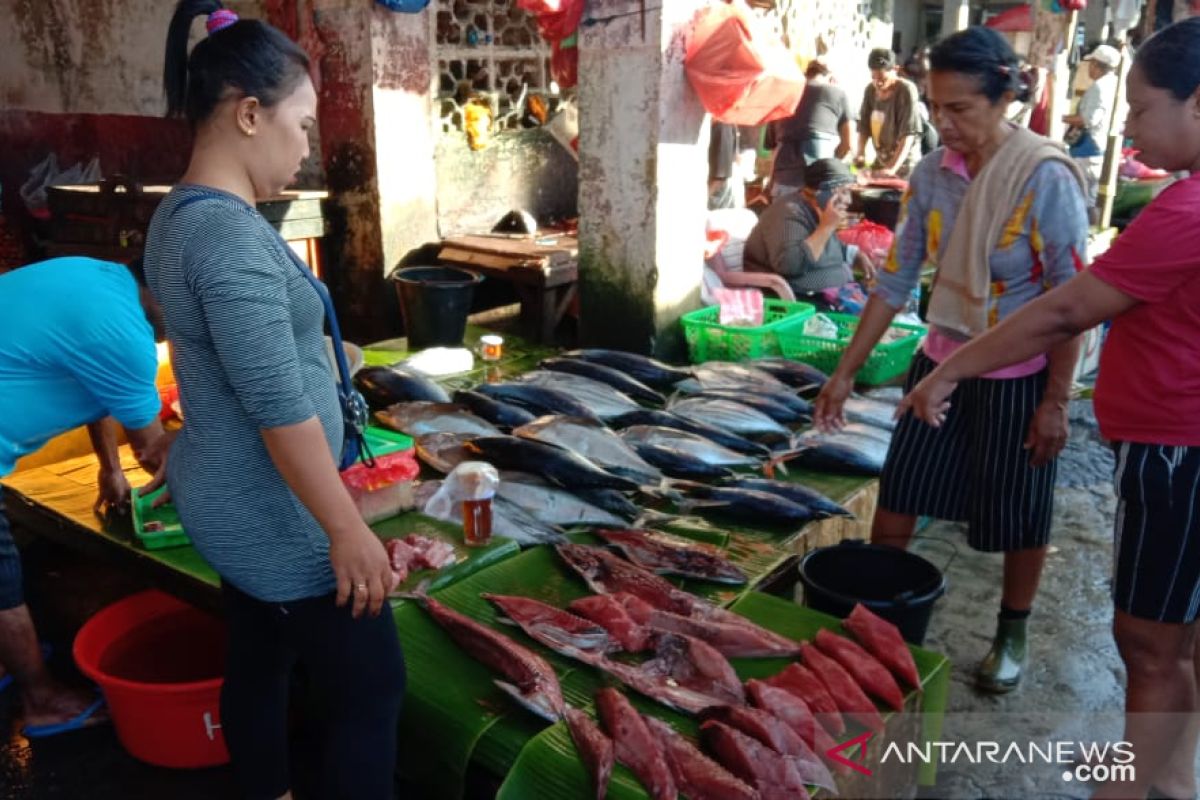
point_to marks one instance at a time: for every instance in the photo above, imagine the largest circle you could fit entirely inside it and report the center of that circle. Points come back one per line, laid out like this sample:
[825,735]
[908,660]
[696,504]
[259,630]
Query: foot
[1000,670]
[60,704]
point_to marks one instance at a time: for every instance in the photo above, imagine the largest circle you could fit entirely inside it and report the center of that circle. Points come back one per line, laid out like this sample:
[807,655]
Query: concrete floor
[1074,683]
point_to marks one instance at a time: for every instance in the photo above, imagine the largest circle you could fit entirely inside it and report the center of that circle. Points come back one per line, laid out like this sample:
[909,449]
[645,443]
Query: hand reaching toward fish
[929,400]
[364,572]
[829,407]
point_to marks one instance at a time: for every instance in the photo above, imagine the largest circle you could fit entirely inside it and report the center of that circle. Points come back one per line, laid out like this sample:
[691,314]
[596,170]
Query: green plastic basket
[886,362]
[709,340]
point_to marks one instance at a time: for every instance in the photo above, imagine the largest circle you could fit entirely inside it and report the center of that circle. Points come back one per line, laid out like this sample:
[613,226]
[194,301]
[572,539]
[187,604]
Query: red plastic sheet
[556,19]
[742,72]
[564,63]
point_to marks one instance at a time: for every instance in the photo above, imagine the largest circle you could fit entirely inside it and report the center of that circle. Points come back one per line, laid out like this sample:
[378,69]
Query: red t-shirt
[1149,385]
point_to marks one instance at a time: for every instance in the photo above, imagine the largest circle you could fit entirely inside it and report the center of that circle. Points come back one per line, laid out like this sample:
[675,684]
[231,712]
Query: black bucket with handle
[435,302]
[897,585]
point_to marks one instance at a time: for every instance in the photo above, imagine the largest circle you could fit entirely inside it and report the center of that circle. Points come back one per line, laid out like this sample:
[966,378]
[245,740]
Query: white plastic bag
[46,173]
[470,480]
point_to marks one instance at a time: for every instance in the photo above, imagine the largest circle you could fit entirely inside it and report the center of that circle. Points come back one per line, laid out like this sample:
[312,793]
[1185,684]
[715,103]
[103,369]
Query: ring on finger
[360,587]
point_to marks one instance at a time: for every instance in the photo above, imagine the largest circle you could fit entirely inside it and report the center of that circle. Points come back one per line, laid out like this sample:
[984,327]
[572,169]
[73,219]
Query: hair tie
[219,20]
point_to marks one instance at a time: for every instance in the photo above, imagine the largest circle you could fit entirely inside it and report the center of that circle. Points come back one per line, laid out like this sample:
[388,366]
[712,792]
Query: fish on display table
[690,663]
[647,370]
[635,746]
[609,613]
[870,412]
[672,555]
[871,676]
[803,683]
[538,399]
[508,519]
[383,386]
[443,451]
[561,466]
[882,639]
[783,407]
[622,382]
[596,443]
[560,630]
[679,464]
[774,775]
[696,775]
[730,637]
[422,417]
[730,375]
[665,419]
[796,374]
[504,415]
[553,505]
[531,681]
[595,748]
[846,452]
[777,735]
[747,505]
[732,416]
[795,713]
[601,399]
[689,446]
[816,502]
[845,691]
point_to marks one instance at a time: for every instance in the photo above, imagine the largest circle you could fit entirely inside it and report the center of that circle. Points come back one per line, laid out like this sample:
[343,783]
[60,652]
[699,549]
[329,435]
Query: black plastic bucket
[435,302]
[897,585]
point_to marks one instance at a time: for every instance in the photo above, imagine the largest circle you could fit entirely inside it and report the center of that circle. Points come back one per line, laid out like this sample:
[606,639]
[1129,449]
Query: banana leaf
[470,559]
[549,766]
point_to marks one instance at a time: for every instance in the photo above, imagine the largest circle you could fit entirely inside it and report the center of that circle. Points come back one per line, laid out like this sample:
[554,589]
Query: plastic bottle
[468,490]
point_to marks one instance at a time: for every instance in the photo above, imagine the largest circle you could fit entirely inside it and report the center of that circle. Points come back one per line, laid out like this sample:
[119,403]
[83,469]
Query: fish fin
[650,518]
[527,702]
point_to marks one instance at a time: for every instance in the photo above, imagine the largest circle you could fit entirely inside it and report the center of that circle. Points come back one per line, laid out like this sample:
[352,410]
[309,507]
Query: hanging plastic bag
[873,239]
[564,127]
[564,62]
[741,71]
[556,19]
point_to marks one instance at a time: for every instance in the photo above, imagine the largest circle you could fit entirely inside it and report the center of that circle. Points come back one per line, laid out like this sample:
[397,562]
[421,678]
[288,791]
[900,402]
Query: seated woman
[796,238]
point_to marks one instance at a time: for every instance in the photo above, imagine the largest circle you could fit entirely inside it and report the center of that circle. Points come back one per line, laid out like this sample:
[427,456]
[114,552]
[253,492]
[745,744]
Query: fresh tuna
[784,408]
[696,775]
[421,417]
[508,519]
[608,612]
[443,451]
[747,505]
[531,681]
[777,735]
[635,746]
[608,574]
[594,442]
[692,664]
[732,639]
[538,399]
[620,381]
[383,386]
[494,411]
[731,375]
[775,776]
[842,453]
[595,749]
[603,400]
[561,466]
[882,639]
[816,502]
[796,374]
[796,713]
[678,463]
[665,419]
[554,506]
[802,682]
[844,690]
[691,445]
[871,412]
[671,555]
[872,676]
[544,622]
[647,370]
[732,416]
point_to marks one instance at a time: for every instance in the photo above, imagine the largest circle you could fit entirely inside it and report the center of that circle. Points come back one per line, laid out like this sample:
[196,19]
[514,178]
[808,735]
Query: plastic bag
[820,326]
[741,71]
[564,62]
[470,480]
[564,127]
[46,173]
[743,307]
[556,19]
[873,239]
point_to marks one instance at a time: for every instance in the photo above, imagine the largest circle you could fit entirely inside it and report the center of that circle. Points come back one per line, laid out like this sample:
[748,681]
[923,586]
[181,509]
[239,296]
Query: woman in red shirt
[1148,405]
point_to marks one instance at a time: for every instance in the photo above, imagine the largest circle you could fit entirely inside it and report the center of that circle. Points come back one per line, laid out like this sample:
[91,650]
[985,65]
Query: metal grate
[490,48]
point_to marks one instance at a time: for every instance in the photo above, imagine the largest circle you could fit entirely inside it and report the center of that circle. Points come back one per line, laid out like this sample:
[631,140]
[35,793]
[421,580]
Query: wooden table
[543,270]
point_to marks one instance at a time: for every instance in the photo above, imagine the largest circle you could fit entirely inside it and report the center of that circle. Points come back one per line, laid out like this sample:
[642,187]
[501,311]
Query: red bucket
[159,662]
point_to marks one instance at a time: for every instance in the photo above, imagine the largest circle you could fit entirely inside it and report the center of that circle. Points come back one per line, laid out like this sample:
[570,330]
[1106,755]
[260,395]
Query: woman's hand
[364,573]
[833,214]
[113,492]
[866,265]
[1048,432]
[827,410]
[929,401]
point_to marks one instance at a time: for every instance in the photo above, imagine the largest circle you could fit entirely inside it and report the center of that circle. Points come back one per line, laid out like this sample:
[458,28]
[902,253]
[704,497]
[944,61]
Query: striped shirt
[778,244]
[1043,243]
[247,337]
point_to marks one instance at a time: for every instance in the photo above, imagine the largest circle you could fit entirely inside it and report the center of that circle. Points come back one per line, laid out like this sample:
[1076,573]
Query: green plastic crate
[381,442]
[709,340]
[886,362]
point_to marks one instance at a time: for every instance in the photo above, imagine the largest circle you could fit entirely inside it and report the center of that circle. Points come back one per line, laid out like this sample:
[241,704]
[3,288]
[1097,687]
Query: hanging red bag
[872,239]
[564,62]
[742,72]
[556,19]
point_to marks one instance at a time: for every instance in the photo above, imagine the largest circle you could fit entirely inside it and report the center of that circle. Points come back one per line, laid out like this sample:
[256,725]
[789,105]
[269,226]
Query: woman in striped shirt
[254,471]
[999,213]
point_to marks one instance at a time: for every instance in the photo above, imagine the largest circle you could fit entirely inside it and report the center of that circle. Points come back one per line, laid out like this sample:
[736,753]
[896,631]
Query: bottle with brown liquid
[477,522]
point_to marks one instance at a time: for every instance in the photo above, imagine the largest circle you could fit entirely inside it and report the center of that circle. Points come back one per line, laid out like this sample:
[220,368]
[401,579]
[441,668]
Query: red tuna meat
[882,639]
[850,698]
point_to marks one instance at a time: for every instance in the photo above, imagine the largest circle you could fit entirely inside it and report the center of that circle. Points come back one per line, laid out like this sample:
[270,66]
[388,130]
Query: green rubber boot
[1000,670]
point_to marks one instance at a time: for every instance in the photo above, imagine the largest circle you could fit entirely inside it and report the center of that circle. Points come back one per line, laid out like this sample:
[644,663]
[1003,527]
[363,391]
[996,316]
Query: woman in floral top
[999,213]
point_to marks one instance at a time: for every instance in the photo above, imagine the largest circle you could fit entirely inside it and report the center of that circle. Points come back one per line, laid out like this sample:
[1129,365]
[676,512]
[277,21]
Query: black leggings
[356,669]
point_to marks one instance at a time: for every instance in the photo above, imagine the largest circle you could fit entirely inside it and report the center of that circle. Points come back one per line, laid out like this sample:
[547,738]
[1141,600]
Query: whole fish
[799,494]
[553,505]
[732,416]
[735,637]
[596,443]
[774,775]
[796,374]
[603,400]
[443,451]
[870,412]
[697,776]
[777,735]
[843,453]
[647,370]
[560,466]
[494,411]
[672,555]
[508,519]
[620,381]
[542,621]
[422,417]
[784,408]
[730,375]
[679,464]
[635,746]
[538,399]
[595,748]
[703,450]
[531,681]
[613,501]
[665,419]
[383,386]
[747,505]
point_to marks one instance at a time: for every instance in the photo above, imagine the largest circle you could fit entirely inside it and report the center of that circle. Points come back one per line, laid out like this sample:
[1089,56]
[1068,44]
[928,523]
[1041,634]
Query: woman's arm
[845,144]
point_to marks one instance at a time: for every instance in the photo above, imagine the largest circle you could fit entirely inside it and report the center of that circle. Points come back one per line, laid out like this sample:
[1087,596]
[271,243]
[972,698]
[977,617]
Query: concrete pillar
[956,16]
[643,171]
